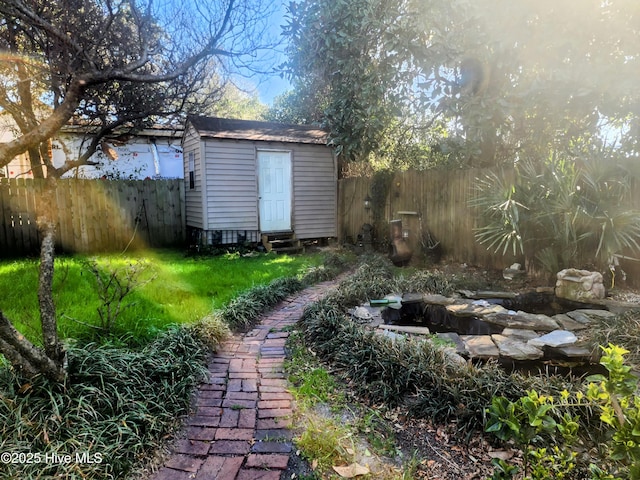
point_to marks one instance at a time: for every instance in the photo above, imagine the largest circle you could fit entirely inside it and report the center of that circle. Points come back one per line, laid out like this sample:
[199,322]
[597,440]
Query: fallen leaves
[351,471]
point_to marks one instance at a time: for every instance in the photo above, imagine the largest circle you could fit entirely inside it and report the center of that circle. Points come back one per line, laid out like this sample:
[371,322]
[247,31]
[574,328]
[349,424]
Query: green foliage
[532,420]
[116,403]
[619,404]
[113,284]
[420,375]
[171,289]
[465,82]
[559,215]
[535,419]
[351,64]
[242,312]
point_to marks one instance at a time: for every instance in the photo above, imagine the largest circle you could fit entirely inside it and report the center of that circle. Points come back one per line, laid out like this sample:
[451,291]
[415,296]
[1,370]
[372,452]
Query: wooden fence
[438,203]
[432,205]
[93,215]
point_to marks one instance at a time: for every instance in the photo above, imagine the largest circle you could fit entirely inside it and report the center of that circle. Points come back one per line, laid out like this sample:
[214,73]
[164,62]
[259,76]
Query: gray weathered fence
[93,215]
[434,203]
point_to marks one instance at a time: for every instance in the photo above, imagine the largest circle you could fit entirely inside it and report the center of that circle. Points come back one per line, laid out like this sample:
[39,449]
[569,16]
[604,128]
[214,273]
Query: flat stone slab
[617,307]
[514,349]
[480,346]
[470,309]
[587,315]
[520,334]
[490,294]
[523,320]
[435,299]
[568,323]
[455,339]
[412,298]
[557,338]
[578,352]
[406,329]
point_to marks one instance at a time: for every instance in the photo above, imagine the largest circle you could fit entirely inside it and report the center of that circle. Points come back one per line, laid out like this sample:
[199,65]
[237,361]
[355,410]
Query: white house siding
[232,203]
[314,191]
[193,197]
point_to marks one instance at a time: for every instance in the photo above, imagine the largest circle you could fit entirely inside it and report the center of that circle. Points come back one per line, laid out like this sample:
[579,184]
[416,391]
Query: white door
[274,191]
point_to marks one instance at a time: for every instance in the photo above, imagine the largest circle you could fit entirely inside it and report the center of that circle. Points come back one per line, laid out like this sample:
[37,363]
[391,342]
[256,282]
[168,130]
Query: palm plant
[558,213]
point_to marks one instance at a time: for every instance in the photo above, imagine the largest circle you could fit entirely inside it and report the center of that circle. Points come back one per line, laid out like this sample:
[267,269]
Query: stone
[512,272]
[519,334]
[454,338]
[514,349]
[545,289]
[453,358]
[436,299]
[579,285]
[523,320]
[556,338]
[480,346]
[568,323]
[412,298]
[362,313]
[576,352]
[469,309]
[590,314]
[491,294]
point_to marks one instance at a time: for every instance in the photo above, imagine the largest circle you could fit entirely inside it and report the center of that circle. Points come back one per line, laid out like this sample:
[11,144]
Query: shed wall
[314,192]
[230,191]
[232,199]
[193,197]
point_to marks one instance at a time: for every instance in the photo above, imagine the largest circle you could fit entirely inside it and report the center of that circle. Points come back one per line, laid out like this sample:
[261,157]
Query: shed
[250,181]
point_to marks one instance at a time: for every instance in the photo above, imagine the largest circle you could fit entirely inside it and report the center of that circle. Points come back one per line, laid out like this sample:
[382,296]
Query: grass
[116,407]
[334,429]
[173,289]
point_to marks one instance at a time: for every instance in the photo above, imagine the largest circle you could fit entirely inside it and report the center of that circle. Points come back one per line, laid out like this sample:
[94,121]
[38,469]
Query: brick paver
[239,429]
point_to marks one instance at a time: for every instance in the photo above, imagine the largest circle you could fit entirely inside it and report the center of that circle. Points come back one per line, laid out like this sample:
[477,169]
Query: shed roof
[214,127]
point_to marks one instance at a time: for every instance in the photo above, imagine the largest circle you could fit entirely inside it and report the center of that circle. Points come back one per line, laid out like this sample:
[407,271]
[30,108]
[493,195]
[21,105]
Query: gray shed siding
[232,201]
[232,186]
[193,197]
[223,206]
[314,191]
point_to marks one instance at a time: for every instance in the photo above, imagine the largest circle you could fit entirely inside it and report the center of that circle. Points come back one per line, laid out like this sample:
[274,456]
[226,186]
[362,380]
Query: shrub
[415,373]
[116,406]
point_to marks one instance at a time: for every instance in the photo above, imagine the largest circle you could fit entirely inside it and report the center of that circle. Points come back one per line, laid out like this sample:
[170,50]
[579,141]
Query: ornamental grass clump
[115,407]
[242,312]
[419,374]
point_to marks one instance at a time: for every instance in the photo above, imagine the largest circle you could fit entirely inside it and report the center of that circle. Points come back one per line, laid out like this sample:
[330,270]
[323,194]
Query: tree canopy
[106,65]
[109,64]
[475,82]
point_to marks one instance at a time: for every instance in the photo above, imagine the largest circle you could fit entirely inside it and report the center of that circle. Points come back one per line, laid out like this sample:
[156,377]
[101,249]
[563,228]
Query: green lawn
[173,289]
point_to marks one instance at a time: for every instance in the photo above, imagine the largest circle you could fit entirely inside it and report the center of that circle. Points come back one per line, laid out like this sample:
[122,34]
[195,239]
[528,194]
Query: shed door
[274,191]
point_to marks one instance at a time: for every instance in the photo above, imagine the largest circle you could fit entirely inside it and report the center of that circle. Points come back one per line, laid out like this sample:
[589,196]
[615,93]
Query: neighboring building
[249,181]
[150,153]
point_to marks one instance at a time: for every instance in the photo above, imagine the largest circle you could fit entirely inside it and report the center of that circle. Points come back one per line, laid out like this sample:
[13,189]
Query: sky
[271,86]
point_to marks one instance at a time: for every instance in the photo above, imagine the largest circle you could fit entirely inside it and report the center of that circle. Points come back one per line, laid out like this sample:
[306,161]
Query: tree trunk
[23,355]
[52,345]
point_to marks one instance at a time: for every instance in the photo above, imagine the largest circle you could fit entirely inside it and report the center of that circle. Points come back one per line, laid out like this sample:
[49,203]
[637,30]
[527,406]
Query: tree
[237,102]
[106,64]
[481,82]
[351,66]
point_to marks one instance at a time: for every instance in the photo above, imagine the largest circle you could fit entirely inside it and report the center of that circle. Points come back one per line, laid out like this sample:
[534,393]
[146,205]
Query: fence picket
[93,215]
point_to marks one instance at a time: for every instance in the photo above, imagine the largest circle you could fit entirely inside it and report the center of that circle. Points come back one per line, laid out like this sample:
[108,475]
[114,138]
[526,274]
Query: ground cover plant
[166,288]
[417,377]
[336,434]
[119,403]
[115,407]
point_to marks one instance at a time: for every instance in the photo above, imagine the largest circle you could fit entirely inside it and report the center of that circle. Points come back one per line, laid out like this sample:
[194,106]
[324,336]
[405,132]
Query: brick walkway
[240,429]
